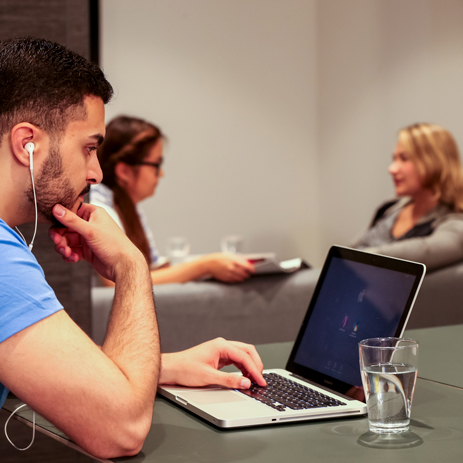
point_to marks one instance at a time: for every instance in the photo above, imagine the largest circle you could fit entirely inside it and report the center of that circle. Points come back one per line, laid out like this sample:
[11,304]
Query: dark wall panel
[63,21]
[66,22]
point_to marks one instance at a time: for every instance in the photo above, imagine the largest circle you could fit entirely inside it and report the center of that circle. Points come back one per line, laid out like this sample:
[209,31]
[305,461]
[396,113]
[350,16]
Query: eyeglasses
[156,165]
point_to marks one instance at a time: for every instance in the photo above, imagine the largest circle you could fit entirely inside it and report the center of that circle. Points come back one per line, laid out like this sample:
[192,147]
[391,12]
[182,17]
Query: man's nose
[95,174]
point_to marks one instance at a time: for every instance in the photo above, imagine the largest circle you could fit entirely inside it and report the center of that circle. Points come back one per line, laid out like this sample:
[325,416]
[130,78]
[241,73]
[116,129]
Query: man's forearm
[132,339]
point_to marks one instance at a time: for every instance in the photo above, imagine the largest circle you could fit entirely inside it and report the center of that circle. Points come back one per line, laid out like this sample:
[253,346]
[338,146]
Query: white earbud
[30,149]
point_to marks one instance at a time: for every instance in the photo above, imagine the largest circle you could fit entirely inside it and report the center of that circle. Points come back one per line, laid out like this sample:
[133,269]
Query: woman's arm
[224,267]
[443,247]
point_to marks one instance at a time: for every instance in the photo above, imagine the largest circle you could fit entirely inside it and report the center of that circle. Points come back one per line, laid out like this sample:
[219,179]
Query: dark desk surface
[436,433]
[441,351]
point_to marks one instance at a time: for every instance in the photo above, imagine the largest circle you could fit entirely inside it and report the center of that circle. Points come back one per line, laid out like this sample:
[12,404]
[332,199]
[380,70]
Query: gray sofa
[266,308]
[261,310]
[440,300]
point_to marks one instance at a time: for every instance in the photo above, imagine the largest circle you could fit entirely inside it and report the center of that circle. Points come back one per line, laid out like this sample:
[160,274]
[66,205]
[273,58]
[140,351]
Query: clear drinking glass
[389,367]
[232,244]
[178,249]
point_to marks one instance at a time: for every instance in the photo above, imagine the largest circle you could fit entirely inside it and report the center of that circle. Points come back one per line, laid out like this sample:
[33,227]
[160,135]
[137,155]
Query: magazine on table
[264,263]
[268,263]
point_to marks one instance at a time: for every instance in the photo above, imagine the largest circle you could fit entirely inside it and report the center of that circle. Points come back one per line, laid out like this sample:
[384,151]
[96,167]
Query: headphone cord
[33,428]
[31,245]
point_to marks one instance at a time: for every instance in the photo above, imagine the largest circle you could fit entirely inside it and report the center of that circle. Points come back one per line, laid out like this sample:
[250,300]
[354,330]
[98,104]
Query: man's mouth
[82,194]
[85,191]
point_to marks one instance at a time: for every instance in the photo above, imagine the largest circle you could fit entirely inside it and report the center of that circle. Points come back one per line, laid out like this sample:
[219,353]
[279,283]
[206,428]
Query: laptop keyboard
[282,393]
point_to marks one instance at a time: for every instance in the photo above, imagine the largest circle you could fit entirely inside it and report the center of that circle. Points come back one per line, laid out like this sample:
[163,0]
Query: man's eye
[91,148]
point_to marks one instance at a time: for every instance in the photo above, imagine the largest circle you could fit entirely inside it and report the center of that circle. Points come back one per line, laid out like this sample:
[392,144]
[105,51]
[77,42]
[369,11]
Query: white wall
[232,84]
[281,114]
[383,64]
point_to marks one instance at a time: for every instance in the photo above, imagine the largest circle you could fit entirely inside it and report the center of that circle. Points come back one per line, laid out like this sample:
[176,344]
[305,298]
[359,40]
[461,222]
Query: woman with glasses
[425,222]
[131,160]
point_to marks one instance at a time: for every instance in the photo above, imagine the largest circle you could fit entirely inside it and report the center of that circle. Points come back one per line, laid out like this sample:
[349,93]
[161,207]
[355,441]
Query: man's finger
[69,238]
[237,356]
[70,220]
[55,233]
[250,350]
[230,380]
[72,259]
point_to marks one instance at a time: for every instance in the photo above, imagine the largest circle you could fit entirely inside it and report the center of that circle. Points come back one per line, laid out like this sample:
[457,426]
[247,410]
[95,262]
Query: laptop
[359,295]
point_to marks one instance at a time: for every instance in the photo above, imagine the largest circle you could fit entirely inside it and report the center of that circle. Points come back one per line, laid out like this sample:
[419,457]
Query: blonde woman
[425,222]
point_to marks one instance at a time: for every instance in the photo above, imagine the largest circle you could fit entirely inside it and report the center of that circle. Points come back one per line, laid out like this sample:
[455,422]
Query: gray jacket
[442,244]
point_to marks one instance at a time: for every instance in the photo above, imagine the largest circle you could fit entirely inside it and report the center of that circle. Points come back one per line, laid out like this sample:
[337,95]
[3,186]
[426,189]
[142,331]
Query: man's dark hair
[44,83]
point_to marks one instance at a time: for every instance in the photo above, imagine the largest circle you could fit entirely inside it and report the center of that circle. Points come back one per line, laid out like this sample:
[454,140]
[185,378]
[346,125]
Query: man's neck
[15,208]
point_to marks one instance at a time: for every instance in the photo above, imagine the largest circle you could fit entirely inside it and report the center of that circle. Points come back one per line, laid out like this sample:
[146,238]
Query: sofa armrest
[440,300]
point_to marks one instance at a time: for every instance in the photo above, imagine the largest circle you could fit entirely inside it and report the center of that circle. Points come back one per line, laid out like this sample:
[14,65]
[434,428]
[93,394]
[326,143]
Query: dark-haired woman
[131,159]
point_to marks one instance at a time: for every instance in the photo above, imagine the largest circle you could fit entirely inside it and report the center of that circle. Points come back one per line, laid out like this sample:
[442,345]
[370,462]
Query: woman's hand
[228,267]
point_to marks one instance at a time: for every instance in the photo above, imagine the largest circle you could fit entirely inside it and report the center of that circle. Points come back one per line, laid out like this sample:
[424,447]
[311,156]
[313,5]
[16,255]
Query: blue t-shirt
[25,296]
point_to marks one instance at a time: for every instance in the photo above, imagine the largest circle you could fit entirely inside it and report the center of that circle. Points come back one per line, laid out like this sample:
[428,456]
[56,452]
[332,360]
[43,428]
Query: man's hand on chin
[91,234]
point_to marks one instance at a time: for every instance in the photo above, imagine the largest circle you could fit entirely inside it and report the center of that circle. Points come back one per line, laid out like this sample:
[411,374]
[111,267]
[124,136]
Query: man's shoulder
[9,239]
[6,232]
[13,250]
[25,296]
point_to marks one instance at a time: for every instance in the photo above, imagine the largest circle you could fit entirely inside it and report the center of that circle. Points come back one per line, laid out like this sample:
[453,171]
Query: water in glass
[389,393]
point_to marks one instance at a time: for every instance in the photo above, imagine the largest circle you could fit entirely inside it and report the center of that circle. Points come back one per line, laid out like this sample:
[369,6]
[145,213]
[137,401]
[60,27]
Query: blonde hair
[435,154]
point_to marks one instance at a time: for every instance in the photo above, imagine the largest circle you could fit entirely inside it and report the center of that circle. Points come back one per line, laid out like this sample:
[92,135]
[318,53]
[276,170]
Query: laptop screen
[358,296]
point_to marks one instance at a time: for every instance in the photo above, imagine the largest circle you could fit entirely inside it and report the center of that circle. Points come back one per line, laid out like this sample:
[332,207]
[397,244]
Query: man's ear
[124,173]
[24,133]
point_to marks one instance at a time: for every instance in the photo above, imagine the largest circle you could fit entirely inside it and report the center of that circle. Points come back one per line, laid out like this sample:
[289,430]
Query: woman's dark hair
[128,140]
[44,83]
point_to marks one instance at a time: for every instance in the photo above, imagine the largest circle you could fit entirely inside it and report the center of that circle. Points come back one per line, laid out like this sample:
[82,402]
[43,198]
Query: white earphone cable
[33,428]
[20,234]
[31,168]
[31,245]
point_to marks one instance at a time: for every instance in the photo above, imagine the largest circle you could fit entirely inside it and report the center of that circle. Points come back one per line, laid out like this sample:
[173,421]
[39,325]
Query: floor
[44,449]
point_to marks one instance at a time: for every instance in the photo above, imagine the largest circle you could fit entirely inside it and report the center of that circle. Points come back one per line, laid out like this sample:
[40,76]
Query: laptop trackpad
[207,397]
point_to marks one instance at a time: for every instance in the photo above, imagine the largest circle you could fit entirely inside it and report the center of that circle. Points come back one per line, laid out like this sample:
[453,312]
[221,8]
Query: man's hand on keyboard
[284,394]
[200,365]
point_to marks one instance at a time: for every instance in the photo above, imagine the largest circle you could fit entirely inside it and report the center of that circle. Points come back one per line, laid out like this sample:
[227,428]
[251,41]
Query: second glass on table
[178,249]
[232,244]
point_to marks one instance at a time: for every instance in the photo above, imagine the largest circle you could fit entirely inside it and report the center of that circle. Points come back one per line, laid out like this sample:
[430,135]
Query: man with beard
[51,123]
